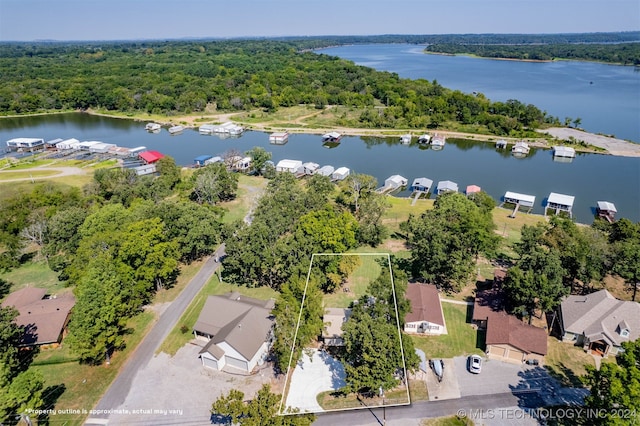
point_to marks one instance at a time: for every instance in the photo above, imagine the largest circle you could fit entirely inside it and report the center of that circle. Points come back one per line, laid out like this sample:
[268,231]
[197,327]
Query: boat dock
[392,183]
[518,200]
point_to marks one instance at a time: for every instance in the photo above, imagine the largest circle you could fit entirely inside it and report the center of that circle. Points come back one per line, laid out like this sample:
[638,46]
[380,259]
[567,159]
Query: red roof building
[150,157]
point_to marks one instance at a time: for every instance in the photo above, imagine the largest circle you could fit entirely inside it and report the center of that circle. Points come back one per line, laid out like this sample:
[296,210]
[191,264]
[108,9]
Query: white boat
[426,138]
[174,130]
[405,139]
[152,127]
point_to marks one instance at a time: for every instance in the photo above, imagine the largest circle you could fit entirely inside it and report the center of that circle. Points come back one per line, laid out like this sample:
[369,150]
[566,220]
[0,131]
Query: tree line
[188,77]
[620,53]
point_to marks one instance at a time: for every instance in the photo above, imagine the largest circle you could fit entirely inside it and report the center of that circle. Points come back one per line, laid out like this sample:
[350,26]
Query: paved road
[119,389]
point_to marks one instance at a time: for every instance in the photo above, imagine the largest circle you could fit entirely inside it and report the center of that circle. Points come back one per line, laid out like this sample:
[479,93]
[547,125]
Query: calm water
[589,177]
[605,97]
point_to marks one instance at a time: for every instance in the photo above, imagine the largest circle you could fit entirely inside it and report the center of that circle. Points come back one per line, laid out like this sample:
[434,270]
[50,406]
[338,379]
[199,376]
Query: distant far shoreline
[610,145]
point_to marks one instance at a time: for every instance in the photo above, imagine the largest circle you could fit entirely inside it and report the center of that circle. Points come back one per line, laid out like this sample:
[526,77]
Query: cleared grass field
[566,362]
[5,175]
[357,283]
[249,190]
[462,339]
[34,274]
[400,210]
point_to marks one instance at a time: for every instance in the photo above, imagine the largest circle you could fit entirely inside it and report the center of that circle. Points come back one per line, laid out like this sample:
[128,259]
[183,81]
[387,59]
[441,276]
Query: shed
[290,166]
[340,173]
[446,186]
[201,160]
[325,170]
[422,184]
[67,143]
[146,169]
[310,168]
[564,151]
[473,189]
[396,181]
[559,202]
[150,157]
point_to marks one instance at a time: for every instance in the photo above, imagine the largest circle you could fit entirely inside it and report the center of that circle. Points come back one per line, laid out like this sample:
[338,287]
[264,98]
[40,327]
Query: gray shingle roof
[599,315]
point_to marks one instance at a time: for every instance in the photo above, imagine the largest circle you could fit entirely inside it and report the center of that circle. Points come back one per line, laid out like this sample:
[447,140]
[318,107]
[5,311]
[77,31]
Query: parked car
[532,361]
[437,365]
[475,364]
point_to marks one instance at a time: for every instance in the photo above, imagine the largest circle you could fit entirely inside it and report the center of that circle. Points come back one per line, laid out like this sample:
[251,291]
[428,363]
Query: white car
[475,364]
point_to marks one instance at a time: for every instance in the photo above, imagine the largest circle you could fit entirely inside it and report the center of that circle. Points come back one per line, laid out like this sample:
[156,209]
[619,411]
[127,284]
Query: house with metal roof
[422,184]
[425,315]
[238,331]
[288,166]
[599,322]
[606,210]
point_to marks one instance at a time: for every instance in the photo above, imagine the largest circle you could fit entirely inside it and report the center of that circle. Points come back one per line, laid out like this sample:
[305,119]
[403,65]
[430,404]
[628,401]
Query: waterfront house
[425,315]
[395,182]
[446,186]
[68,144]
[238,332]
[288,166]
[599,322]
[511,340]
[519,200]
[241,164]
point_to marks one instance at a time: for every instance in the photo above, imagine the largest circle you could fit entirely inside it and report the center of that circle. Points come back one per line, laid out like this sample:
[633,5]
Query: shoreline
[610,145]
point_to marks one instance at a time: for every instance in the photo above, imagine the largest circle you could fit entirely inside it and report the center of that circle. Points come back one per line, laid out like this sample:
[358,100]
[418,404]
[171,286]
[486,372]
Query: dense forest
[622,53]
[185,77]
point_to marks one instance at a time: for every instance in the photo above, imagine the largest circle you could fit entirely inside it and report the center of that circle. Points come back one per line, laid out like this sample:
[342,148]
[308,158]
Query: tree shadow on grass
[50,396]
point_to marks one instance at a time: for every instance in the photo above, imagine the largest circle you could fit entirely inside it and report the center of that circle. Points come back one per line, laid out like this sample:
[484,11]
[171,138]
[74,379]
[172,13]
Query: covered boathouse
[518,201]
[560,203]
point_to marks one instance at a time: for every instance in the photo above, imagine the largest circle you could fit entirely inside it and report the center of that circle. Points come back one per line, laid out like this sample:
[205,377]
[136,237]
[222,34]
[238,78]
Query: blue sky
[157,19]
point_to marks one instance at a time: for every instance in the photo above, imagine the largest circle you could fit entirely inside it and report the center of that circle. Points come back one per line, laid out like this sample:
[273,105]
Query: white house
[426,315]
[396,181]
[447,186]
[289,166]
[238,331]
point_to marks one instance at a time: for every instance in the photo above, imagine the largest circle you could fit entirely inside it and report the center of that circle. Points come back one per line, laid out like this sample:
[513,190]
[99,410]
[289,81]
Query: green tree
[627,263]
[10,336]
[259,156]
[615,388]
[21,396]
[260,411]
[214,183]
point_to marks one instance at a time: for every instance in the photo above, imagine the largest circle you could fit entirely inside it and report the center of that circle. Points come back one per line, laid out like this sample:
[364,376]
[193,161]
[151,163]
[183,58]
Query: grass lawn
[177,338]
[186,273]
[33,274]
[70,385]
[392,397]
[566,362]
[400,210]
[249,189]
[357,282]
[509,228]
[462,339]
[448,421]
[28,174]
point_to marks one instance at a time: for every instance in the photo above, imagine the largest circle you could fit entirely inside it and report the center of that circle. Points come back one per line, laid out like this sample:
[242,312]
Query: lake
[605,97]
[589,177]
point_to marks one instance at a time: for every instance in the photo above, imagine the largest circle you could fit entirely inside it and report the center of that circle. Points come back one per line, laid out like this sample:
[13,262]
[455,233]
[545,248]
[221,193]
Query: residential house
[333,320]
[43,317]
[599,322]
[426,315]
[511,340]
[238,331]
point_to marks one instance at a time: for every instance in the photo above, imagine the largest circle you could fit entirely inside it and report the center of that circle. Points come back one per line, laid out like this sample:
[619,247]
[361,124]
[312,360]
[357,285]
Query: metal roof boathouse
[518,200]
[559,202]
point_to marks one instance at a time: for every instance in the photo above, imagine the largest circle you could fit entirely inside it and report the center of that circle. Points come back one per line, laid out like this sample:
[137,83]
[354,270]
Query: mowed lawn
[356,285]
[74,386]
[462,338]
[34,274]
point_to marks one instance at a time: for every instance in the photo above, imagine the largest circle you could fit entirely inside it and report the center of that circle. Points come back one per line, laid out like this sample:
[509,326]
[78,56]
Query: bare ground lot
[179,390]
[612,145]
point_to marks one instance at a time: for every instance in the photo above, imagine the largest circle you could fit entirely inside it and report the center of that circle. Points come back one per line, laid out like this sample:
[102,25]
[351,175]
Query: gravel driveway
[179,390]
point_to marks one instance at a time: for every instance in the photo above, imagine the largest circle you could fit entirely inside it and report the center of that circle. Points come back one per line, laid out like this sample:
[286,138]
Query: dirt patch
[612,145]
[395,246]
